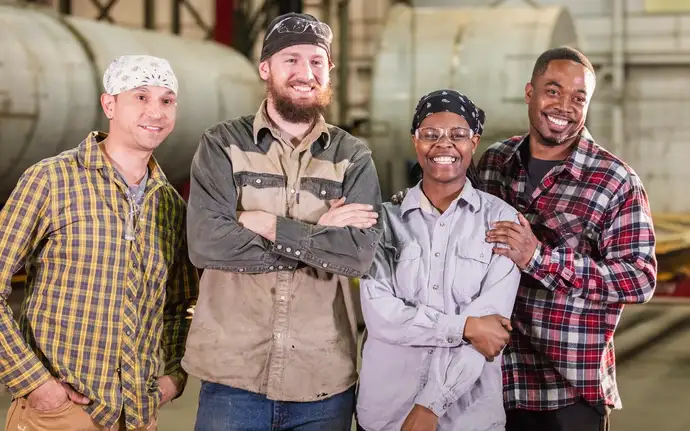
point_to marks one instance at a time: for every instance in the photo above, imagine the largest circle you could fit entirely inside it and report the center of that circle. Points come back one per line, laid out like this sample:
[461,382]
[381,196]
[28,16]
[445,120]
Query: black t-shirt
[536,171]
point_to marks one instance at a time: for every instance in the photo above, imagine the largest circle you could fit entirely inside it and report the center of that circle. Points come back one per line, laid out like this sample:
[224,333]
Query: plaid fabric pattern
[592,216]
[97,307]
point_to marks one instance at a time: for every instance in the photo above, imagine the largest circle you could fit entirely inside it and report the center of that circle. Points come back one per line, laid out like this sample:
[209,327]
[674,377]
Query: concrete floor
[655,387]
[653,384]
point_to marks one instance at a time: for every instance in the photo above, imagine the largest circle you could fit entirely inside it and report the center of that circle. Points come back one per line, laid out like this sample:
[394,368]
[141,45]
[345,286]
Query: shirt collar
[416,199]
[575,163]
[90,155]
[264,128]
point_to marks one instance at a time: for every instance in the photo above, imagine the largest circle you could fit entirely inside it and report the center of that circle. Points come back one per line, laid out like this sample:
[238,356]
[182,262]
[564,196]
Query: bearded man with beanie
[283,209]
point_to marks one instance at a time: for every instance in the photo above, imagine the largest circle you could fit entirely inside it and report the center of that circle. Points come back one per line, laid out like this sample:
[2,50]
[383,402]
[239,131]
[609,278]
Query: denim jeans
[224,408]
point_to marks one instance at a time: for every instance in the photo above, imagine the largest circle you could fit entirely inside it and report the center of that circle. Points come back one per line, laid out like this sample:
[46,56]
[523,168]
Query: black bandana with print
[449,101]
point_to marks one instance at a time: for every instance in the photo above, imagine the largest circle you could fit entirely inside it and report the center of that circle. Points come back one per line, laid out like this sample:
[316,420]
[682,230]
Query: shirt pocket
[408,267]
[471,263]
[260,192]
[322,188]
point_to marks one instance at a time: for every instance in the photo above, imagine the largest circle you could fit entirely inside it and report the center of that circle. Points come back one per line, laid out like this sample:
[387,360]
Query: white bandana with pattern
[131,71]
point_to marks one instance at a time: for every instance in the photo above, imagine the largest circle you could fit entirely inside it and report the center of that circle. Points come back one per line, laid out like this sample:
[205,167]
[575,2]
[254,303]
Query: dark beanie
[294,29]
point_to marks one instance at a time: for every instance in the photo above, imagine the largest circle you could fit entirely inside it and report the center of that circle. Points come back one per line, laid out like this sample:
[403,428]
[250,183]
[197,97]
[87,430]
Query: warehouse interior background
[387,54]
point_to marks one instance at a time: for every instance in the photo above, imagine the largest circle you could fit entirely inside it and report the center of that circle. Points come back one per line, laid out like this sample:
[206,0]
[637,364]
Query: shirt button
[292,191]
[271,267]
[280,267]
[324,265]
[450,340]
[279,247]
[437,254]
[430,351]
[258,180]
[435,287]
[443,224]
[323,192]
[282,298]
[128,332]
[288,249]
[277,335]
[297,253]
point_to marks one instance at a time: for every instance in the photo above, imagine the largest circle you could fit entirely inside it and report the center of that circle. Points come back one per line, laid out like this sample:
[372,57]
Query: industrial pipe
[51,70]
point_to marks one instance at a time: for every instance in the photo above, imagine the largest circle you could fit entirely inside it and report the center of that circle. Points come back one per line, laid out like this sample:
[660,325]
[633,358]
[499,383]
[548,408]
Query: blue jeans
[224,408]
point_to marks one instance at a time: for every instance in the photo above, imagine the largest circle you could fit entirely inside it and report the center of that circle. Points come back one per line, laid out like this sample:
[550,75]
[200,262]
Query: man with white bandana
[101,234]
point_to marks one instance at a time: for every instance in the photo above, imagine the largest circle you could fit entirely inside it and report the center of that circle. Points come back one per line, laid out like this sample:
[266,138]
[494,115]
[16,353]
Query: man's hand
[420,419]
[169,388]
[259,222]
[52,394]
[361,216]
[488,334]
[519,238]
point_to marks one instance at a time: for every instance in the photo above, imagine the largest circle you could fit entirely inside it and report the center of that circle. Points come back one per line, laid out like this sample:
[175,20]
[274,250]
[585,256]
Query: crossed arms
[221,237]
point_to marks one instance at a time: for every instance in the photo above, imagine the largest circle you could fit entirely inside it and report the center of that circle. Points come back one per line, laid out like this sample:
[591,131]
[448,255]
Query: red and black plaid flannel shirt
[592,217]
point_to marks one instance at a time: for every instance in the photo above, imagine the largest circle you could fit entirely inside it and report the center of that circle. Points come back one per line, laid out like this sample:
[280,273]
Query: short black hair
[560,53]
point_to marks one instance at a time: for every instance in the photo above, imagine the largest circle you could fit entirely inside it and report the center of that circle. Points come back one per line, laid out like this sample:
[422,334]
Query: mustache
[558,114]
[311,83]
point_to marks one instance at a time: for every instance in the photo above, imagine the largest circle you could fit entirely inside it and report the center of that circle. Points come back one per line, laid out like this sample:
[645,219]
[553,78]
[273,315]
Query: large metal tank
[486,53]
[51,70]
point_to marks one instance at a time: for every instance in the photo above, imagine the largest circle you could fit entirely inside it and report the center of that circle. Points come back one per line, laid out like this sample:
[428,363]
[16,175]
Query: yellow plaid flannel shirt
[98,307]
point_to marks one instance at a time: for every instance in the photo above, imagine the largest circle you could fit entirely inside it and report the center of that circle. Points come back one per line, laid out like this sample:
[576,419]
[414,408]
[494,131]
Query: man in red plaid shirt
[585,245]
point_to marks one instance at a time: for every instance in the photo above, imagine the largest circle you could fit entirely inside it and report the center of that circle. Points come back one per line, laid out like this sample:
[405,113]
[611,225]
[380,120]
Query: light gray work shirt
[430,273]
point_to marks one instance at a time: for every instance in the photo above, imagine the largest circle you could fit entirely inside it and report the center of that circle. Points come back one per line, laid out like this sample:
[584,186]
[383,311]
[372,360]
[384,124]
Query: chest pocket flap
[471,261]
[408,271]
[258,180]
[322,188]
[481,252]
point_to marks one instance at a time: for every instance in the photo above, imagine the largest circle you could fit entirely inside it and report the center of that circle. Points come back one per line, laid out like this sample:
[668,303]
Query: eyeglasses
[435,134]
[300,25]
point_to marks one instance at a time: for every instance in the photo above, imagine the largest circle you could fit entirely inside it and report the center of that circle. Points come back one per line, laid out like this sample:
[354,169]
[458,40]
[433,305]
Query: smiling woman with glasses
[437,299]
[458,134]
